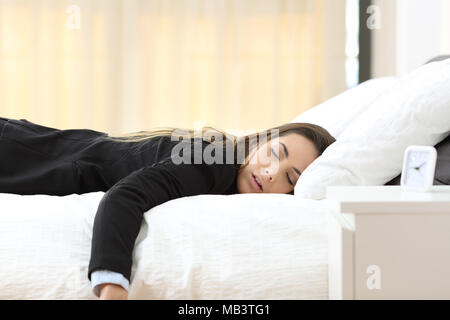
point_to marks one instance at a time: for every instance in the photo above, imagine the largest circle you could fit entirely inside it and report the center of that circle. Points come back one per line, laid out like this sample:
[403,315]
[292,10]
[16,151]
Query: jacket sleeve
[120,212]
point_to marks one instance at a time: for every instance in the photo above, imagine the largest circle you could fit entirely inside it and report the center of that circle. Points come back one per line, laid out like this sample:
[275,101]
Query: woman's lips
[255,184]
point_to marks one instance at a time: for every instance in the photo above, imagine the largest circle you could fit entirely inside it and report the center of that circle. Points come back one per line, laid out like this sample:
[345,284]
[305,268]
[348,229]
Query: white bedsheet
[242,246]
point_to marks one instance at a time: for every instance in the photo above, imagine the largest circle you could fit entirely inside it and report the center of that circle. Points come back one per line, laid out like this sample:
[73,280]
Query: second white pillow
[337,113]
[414,110]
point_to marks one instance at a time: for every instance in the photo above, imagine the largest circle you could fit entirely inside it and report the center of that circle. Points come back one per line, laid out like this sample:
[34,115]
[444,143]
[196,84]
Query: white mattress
[241,246]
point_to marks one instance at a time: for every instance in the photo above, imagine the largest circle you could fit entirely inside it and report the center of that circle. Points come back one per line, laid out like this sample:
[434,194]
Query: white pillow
[337,113]
[414,110]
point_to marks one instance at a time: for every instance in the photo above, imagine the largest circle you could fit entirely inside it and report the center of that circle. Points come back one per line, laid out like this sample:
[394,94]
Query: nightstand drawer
[385,243]
[401,256]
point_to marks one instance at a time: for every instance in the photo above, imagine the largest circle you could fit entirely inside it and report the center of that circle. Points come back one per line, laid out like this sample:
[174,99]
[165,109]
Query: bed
[244,248]
[240,246]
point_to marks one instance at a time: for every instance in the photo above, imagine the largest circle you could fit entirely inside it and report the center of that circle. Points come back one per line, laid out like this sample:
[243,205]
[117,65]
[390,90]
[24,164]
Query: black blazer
[35,159]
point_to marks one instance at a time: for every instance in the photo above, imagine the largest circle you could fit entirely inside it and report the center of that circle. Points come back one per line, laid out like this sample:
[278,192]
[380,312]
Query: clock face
[418,167]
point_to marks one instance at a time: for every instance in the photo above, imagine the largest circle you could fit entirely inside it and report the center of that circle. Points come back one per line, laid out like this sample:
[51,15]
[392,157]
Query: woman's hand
[109,291]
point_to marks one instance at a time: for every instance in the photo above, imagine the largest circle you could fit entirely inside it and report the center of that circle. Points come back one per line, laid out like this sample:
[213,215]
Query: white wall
[411,33]
[445,20]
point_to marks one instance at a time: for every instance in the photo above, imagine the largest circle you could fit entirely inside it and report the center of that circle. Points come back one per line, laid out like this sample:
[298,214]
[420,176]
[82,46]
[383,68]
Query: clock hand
[417,168]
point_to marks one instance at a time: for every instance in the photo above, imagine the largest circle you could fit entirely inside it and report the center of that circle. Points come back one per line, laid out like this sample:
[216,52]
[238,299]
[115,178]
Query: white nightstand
[386,243]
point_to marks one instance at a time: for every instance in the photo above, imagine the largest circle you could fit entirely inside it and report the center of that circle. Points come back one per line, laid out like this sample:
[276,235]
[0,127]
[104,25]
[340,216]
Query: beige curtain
[128,65]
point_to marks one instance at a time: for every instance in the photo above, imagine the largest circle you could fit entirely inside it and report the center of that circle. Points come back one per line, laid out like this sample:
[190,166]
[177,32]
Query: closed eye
[274,153]
[287,175]
[289,179]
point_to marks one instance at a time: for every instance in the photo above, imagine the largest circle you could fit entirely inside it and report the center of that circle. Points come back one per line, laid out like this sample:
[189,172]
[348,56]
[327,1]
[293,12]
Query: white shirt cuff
[99,277]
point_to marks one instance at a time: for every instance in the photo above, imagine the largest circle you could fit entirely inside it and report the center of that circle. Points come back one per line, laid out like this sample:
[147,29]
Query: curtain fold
[129,65]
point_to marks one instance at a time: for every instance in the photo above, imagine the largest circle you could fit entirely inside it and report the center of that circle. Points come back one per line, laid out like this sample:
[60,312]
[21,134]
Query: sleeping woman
[139,171]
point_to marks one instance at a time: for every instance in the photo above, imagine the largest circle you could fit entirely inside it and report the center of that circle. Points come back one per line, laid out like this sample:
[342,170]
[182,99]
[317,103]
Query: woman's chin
[244,189]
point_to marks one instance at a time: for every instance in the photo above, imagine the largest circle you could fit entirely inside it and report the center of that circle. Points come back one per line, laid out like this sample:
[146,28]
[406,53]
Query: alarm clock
[419,164]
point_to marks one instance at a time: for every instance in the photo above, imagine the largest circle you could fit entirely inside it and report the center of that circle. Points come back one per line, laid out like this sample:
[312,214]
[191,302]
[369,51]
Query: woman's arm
[120,212]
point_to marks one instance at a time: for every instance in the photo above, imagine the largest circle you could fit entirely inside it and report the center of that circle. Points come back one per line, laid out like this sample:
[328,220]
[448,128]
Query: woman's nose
[273,171]
[269,176]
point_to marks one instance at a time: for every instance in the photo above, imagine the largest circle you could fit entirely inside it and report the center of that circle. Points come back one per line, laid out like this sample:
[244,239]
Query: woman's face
[277,164]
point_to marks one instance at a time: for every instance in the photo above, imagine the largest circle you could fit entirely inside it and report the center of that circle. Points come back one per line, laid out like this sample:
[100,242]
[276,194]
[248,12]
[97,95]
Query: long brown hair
[319,136]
